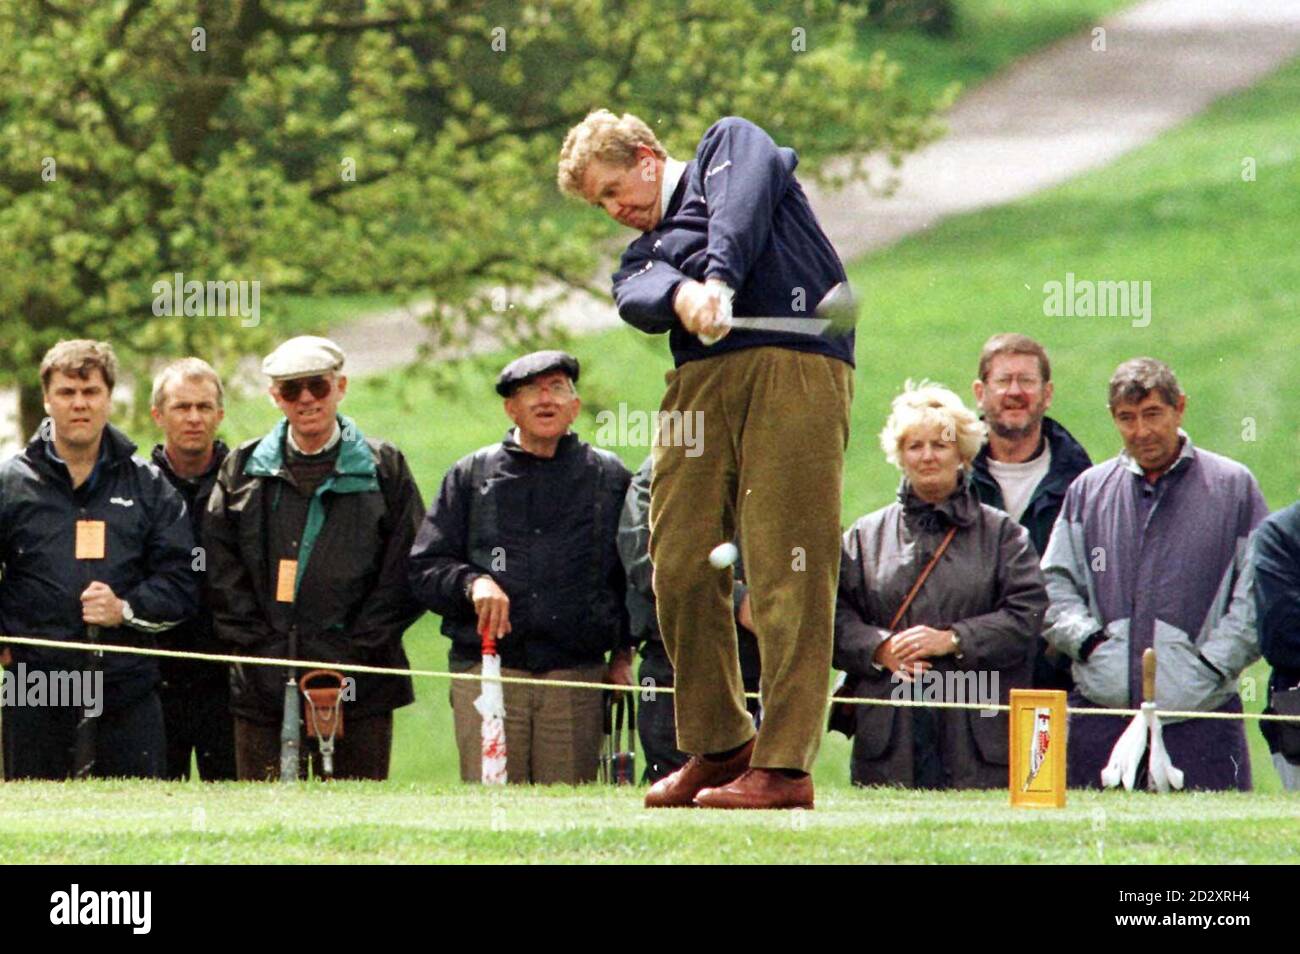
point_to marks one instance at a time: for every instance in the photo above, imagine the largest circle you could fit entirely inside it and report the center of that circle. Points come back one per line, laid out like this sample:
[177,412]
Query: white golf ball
[723,555]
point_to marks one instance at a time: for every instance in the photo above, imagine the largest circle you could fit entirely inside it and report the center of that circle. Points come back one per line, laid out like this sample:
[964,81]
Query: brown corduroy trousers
[775,423]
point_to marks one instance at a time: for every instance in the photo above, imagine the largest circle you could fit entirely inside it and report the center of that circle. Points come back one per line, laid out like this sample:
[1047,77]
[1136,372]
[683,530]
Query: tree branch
[575,283]
[21,183]
[326,191]
[54,11]
[115,122]
[523,129]
[283,27]
[133,10]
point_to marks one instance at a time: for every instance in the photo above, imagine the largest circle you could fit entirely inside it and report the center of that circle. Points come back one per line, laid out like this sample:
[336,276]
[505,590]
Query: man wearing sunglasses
[308,530]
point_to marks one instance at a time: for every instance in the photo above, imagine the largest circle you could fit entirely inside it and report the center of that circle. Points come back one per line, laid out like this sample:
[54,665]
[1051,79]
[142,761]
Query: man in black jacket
[90,536]
[307,532]
[1275,589]
[520,545]
[187,405]
[1029,461]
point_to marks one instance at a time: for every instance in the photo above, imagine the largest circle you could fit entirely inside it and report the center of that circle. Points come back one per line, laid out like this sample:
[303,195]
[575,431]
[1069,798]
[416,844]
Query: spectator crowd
[1035,566]
[1008,560]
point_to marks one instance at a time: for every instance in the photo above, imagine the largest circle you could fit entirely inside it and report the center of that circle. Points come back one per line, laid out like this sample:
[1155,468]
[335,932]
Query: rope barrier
[575,684]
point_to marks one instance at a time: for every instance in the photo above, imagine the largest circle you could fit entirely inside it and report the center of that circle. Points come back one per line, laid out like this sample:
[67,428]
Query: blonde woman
[967,633]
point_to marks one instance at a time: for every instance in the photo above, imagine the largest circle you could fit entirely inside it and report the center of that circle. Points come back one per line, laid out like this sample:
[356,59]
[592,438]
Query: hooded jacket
[148,555]
[350,600]
[986,587]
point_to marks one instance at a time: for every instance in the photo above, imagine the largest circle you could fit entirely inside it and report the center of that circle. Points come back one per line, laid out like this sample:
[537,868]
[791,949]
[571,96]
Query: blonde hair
[604,137]
[185,369]
[929,405]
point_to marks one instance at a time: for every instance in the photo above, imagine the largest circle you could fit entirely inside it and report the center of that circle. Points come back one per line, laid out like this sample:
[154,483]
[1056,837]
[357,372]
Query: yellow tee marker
[1037,748]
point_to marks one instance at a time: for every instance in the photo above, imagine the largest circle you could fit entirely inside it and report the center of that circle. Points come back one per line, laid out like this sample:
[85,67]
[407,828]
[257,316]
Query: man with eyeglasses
[307,534]
[1029,461]
[521,545]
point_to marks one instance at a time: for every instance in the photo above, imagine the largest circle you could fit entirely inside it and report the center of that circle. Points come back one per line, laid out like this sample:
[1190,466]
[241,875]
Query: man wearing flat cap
[521,545]
[307,534]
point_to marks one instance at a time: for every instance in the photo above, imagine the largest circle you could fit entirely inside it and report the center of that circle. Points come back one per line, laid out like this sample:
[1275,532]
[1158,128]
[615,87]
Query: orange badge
[90,539]
[284,582]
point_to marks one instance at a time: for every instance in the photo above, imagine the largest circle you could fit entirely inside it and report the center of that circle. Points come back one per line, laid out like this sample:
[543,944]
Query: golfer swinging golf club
[731,232]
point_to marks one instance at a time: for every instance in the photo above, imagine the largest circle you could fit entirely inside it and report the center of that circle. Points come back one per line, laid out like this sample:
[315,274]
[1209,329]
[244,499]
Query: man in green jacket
[307,533]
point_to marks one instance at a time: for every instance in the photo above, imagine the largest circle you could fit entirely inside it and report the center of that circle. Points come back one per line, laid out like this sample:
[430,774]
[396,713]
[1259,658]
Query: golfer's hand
[100,606]
[921,642]
[704,310]
[492,606]
[887,655]
[620,668]
[6,658]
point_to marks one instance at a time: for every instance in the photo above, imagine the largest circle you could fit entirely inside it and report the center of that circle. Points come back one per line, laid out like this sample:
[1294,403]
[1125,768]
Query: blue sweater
[739,215]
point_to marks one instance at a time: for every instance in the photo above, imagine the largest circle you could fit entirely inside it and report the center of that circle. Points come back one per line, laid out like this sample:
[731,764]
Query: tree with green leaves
[367,146]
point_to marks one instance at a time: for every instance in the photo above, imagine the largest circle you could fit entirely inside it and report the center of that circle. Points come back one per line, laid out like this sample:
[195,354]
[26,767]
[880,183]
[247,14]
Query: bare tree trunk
[31,410]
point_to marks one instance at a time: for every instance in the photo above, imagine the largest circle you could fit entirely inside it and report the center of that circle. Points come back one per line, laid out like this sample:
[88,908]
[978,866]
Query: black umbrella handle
[87,738]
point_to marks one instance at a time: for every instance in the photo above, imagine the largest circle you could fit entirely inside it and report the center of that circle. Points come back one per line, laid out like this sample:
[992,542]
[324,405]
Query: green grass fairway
[137,822]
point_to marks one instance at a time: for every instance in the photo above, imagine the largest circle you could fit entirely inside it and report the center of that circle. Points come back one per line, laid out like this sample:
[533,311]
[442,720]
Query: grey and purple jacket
[1161,565]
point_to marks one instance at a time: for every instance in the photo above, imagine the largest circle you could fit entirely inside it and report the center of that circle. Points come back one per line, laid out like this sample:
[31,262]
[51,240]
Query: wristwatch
[956,646]
[128,614]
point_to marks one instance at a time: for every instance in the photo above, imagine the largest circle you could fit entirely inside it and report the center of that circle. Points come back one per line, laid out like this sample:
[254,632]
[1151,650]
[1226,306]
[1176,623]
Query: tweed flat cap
[531,365]
[302,357]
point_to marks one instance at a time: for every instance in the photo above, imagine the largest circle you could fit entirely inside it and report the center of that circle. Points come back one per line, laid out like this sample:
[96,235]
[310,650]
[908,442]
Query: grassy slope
[990,34]
[1219,254]
[361,823]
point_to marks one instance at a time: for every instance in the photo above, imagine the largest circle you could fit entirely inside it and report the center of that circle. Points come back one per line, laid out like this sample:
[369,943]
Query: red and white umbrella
[491,705]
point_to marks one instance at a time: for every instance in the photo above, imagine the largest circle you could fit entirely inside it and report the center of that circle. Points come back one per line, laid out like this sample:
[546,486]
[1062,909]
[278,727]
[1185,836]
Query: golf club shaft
[290,725]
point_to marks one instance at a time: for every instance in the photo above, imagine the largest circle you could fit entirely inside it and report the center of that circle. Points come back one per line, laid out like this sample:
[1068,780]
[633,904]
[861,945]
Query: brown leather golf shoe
[760,788]
[679,789]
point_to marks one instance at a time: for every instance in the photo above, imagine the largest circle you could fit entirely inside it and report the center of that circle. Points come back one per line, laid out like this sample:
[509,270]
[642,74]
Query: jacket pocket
[1103,679]
[992,736]
[1183,681]
[873,726]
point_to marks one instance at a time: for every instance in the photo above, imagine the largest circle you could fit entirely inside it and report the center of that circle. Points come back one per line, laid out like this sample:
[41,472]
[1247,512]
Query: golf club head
[839,306]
